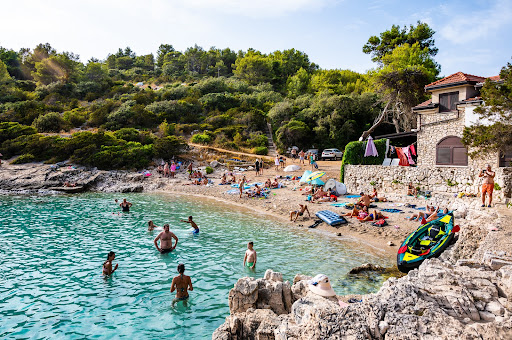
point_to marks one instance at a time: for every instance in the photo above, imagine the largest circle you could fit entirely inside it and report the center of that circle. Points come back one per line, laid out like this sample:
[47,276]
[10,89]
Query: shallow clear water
[52,249]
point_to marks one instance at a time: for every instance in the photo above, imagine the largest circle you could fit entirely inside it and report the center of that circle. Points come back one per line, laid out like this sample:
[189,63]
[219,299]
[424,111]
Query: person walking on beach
[181,284]
[107,265]
[276,162]
[301,157]
[257,167]
[488,184]
[250,256]
[193,224]
[125,205]
[241,186]
[165,238]
[312,161]
[294,154]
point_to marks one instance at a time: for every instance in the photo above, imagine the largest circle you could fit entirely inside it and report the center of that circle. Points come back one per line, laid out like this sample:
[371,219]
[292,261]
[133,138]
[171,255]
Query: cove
[53,246]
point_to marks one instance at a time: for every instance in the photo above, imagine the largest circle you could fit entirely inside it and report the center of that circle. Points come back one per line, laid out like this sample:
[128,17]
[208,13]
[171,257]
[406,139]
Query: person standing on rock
[125,205]
[250,256]
[488,184]
[165,238]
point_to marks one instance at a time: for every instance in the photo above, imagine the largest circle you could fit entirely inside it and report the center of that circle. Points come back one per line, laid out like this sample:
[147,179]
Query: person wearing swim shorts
[193,224]
[250,256]
[295,214]
[488,184]
[165,238]
[125,205]
[107,265]
[181,284]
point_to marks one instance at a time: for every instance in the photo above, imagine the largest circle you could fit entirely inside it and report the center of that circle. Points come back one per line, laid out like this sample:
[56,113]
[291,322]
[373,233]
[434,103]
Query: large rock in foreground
[439,301]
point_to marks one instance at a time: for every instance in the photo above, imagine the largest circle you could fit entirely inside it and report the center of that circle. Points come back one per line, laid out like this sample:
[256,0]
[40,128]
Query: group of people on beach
[168,170]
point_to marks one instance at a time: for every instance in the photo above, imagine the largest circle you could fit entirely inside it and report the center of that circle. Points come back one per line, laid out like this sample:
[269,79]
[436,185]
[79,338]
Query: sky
[474,37]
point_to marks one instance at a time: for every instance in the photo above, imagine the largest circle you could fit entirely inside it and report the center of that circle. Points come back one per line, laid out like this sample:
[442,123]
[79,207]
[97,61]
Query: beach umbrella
[305,176]
[292,167]
[371,150]
[317,181]
[315,175]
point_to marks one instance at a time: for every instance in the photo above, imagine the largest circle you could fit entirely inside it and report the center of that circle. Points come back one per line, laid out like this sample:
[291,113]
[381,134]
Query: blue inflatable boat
[331,218]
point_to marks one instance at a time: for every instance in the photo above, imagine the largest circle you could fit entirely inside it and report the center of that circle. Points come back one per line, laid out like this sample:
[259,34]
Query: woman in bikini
[107,265]
[357,212]
[181,284]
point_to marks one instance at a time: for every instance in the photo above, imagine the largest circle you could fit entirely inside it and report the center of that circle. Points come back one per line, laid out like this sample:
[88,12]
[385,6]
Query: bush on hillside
[12,130]
[50,122]
[260,150]
[167,147]
[208,170]
[201,138]
[25,158]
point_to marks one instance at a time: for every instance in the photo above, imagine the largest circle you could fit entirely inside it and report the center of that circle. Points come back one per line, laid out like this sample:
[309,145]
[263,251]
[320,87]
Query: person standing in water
[181,284]
[165,238]
[107,265]
[125,205]
[250,256]
[193,224]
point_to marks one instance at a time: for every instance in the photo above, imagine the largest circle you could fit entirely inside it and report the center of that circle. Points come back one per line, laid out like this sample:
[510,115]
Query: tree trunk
[380,119]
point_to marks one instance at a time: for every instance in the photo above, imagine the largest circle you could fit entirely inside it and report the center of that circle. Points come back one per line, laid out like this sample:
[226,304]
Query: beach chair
[395,162]
[387,162]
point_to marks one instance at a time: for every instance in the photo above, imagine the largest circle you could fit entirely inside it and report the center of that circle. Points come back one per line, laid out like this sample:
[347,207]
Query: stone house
[443,163]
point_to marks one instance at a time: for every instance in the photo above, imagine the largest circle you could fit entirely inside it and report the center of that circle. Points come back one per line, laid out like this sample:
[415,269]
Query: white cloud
[469,27]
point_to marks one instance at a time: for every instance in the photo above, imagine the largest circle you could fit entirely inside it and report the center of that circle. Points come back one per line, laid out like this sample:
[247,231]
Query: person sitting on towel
[374,197]
[364,200]
[356,211]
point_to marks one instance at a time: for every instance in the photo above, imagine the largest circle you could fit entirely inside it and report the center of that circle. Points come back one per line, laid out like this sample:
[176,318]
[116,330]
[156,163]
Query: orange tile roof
[425,103]
[494,78]
[456,78]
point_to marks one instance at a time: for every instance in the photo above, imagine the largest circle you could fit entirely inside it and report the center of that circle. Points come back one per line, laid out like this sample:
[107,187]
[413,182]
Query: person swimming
[181,284]
[107,265]
[193,224]
[125,205]
[151,226]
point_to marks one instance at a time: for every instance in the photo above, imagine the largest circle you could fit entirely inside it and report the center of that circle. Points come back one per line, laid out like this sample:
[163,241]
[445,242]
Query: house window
[451,151]
[506,158]
[447,101]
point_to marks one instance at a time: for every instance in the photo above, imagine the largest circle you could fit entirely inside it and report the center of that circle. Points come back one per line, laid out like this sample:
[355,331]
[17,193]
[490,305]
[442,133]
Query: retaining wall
[448,180]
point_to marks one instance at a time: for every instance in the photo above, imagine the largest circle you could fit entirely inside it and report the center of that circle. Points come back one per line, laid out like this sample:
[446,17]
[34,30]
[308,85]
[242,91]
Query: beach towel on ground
[352,196]
[339,204]
[391,210]
[362,218]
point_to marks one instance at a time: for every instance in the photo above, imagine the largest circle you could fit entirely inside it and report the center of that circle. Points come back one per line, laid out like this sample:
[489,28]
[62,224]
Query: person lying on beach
[275,184]
[374,197]
[356,211]
[192,223]
[224,180]
[107,265]
[296,213]
[268,183]
[429,210]
[250,256]
[436,214]
[204,181]
[370,217]
[254,193]
[324,196]
[125,205]
[181,284]
[309,191]
[364,200]
[69,185]
[151,226]
[319,193]
[165,238]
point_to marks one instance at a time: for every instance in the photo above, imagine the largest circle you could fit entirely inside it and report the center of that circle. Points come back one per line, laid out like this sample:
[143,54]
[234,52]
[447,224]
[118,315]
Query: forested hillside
[150,105]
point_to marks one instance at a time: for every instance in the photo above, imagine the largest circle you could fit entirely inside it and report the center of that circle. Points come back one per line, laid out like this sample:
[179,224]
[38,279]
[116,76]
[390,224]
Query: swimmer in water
[181,284]
[165,238]
[193,224]
[125,205]
[107,265]
[250,256]
[151,226]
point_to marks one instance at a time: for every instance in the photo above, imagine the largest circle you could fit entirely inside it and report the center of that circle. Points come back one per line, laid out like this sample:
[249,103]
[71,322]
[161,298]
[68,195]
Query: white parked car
[332,154]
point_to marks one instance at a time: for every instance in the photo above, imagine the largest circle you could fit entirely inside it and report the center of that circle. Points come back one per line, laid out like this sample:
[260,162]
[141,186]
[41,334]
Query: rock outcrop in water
[466,293]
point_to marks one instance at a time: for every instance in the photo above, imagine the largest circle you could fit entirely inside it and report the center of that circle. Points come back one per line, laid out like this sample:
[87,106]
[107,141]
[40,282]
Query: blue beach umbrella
[317,181]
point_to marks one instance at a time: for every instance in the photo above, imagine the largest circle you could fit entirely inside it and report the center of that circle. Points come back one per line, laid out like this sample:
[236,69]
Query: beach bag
[316,165]
[380,223]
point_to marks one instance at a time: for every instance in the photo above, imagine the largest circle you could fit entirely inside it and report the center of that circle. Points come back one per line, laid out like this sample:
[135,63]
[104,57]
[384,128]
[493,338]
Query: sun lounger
[387,162]
[395,162]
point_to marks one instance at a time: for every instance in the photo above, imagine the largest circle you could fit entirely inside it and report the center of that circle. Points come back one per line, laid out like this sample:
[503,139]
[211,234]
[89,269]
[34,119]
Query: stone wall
[436,179]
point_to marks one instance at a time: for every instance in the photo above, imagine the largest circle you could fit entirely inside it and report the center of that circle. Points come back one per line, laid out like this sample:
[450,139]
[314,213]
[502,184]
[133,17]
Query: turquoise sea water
[52,249]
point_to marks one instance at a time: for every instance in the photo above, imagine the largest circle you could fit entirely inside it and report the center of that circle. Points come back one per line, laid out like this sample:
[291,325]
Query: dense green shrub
[11,130]
[76,117]
[50,122]
[201,138]
[131,155]
[208,170]
[260,150]
[354,154]
[167,147]
[25,158]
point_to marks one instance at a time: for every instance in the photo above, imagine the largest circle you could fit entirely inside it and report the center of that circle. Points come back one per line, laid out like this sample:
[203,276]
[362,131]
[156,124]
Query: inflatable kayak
[428,241]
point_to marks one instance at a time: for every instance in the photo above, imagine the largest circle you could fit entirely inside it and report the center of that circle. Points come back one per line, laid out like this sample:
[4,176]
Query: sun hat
[320,285]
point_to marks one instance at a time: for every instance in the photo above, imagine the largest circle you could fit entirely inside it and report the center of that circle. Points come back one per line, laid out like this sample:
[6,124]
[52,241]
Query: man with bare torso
[193,224]
[250,256]
[488,184]
[364,200]
[165,238]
